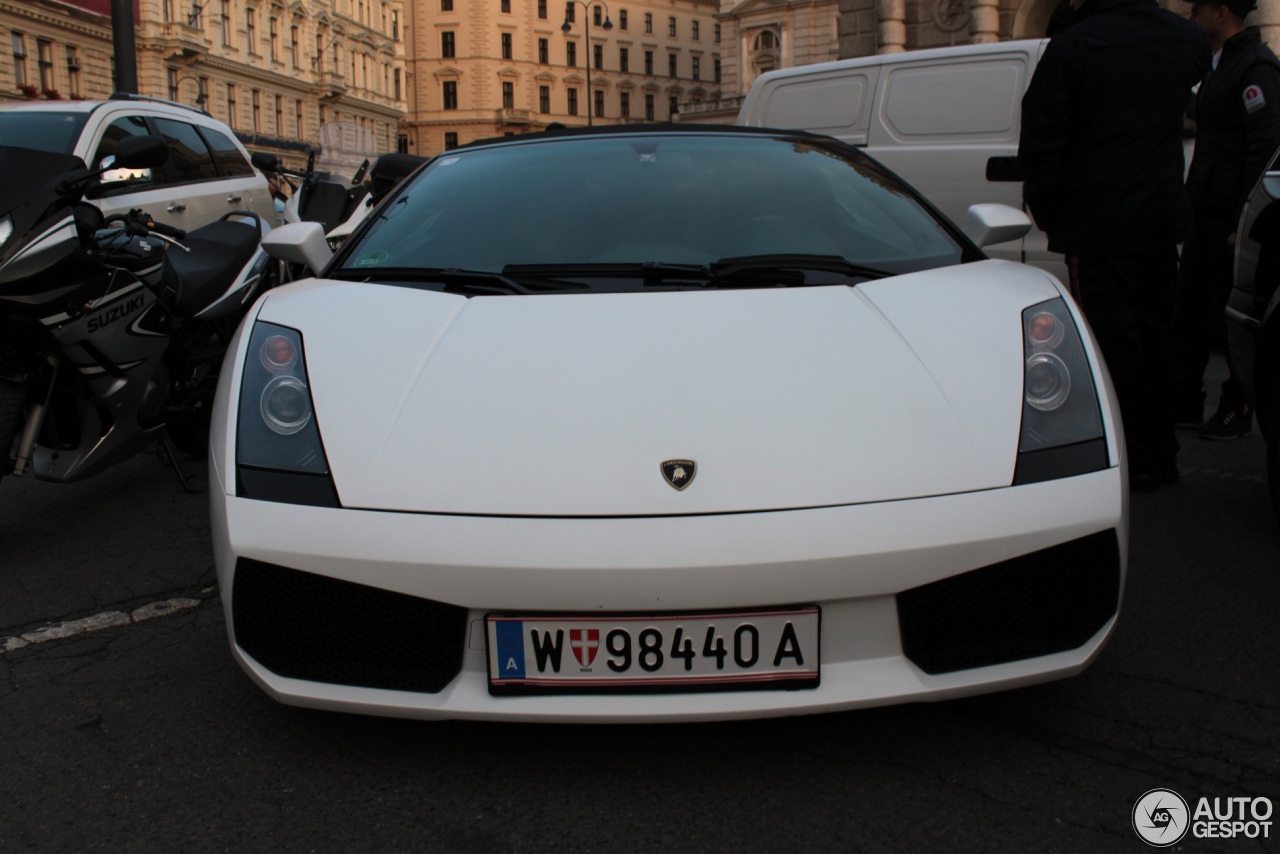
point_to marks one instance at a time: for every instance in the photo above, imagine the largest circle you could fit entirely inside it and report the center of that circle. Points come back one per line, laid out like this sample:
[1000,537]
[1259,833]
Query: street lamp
[200,99]
[567,28]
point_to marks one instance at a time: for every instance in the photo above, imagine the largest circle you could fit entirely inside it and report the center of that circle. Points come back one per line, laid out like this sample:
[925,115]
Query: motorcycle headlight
[6,230]
[279,455]
[1061,420]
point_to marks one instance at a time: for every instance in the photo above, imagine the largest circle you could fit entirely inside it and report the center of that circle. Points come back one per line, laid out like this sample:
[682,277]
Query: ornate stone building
[284,74]
[484,69]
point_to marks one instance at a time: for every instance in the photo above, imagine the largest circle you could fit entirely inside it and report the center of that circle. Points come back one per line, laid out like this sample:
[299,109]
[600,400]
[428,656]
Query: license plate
[741,650]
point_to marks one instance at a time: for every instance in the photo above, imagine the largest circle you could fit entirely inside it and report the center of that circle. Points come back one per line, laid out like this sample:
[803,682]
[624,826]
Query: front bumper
[852,561]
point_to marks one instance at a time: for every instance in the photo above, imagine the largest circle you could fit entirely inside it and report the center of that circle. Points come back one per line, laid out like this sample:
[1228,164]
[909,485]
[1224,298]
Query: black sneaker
[1228,423]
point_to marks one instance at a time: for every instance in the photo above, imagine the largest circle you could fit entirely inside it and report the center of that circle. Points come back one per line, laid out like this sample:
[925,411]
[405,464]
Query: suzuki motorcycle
[112,329]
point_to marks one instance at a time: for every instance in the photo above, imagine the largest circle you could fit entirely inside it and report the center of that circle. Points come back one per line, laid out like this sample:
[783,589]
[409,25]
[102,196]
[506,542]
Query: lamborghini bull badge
[679,473]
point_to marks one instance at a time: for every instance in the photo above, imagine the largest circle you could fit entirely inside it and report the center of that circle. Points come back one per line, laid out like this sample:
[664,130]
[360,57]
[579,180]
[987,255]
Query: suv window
[55,132]
[228,156]
[189,156]
[121,128]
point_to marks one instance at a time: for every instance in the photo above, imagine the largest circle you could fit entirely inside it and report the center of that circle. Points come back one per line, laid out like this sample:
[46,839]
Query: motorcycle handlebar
[150,224]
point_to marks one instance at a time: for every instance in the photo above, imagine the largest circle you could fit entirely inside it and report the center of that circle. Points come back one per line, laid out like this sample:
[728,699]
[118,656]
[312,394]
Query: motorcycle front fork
[35,420]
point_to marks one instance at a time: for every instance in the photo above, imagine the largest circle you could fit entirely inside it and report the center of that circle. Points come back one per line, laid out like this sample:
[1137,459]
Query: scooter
[112,329]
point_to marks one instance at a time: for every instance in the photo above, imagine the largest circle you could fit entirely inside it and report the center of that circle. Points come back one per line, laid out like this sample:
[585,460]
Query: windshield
[687,199]
[44,131]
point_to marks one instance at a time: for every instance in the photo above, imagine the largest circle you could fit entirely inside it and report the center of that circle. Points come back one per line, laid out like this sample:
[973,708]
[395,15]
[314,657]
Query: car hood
[568,405]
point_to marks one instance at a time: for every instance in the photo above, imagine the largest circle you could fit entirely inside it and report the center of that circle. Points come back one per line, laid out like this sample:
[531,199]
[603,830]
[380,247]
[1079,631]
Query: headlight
[1061,420]
[279,455]
[6,230]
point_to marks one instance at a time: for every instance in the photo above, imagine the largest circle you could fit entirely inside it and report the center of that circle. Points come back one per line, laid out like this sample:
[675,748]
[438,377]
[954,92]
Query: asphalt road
[148,737]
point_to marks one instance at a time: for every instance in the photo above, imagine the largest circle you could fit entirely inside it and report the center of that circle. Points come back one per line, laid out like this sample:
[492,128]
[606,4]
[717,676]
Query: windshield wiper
[652,272]
[784,270]
[454,280]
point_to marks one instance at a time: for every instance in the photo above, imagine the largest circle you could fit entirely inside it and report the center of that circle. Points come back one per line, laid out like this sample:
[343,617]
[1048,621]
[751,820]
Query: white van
[945,119]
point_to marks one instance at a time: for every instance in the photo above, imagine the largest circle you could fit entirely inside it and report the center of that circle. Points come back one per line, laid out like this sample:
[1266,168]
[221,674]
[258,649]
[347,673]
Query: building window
[573,102]
[673,106]
[695,30]
[715,64]
[542,9]
[231,104]
[250,34]
[506,45]
[624,104]
[19,59]
[697,68]
[273,35]
[451,94]
[598,59]
[508,95]
[172,74]
[671,27]
[450,139]
[73,71]
[395,83]
[648,22]
[195,17]
[597,16]
[256,100]
[648,62]
[716,33]
[280,114]
[571,54]
[624,59]
[44,59]
[446,5]
[622,19]
[225,18]
[599,103]
[648,107]
[569,11]
[293,45]
[671,65]
[446,44]
[506,6]
[544,99]
[297,118]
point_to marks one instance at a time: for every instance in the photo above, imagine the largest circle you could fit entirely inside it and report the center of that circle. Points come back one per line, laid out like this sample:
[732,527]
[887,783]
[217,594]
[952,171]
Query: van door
[938,121]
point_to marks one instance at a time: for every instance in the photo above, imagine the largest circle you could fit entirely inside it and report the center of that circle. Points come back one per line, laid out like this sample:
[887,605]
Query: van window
[977,98]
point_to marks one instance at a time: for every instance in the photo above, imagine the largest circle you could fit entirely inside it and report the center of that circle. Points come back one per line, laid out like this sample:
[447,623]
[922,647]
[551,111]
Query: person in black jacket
[1237,115]
[1101,153]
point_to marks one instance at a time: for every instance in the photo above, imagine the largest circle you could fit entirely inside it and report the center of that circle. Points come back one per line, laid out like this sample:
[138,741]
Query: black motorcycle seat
[219,251]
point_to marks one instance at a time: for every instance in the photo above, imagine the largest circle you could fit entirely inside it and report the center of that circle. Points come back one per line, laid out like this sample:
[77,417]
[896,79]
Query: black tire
[13,398]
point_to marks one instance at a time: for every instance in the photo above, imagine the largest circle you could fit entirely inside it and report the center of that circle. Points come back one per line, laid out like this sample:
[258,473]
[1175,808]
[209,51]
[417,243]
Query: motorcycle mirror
[265,161]
[364,167]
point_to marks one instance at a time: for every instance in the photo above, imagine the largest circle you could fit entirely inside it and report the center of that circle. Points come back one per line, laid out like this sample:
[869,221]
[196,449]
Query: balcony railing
[514,117]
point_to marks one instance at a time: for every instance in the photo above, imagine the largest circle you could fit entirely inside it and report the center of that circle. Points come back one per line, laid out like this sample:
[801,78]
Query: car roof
[157,105]
[646,129]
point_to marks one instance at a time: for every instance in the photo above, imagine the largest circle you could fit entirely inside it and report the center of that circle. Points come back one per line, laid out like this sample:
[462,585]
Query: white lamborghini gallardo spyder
[660,423]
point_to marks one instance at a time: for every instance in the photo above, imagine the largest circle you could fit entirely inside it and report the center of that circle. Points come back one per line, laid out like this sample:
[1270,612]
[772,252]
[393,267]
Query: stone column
[893,26]
[984,26]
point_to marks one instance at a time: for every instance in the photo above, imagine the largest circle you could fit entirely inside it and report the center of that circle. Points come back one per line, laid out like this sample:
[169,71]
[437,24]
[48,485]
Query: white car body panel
[766,390]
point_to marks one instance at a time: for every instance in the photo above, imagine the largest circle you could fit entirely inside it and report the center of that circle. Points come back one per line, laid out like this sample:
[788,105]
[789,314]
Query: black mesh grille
[1049,601]
[306,626]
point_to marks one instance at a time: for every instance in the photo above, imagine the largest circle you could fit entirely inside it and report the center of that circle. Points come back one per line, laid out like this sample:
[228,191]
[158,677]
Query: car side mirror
[265,161]
[991,223]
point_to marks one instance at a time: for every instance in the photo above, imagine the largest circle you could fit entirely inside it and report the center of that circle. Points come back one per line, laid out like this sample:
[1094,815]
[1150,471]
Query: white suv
[207,175]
